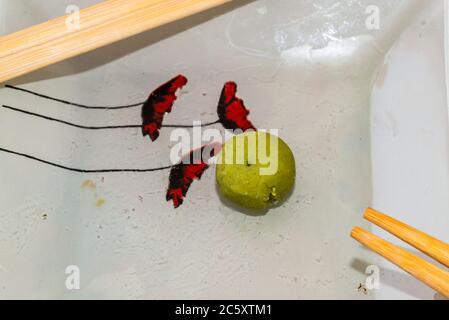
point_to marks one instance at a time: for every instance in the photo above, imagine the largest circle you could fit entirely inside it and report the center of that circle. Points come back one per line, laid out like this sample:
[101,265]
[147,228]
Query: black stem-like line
[70,123]
[27,156]
[101,127]
[207,124]
[73,103]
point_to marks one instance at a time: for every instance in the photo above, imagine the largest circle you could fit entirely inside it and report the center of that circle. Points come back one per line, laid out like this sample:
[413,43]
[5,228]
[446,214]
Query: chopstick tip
[356,232]
[368,212]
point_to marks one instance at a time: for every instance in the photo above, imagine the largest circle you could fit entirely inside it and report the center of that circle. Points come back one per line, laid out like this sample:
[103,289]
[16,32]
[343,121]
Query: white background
[295,75]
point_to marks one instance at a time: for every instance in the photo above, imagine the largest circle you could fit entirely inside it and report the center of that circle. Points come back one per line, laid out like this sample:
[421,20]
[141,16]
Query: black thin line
[207,124]
[73,103]
[70,123]
[100,127]
[82,170]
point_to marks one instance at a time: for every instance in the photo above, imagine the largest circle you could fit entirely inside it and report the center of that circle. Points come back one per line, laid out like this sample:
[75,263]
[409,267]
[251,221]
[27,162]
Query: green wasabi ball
[250,172]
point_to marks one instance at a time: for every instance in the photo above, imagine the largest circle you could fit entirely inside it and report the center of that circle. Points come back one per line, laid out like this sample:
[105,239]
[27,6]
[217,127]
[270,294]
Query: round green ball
[255,179]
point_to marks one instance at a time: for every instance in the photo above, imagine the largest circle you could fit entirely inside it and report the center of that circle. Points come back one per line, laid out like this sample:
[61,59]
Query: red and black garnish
[158,104]
[190,168]
[232,111]
[232,115]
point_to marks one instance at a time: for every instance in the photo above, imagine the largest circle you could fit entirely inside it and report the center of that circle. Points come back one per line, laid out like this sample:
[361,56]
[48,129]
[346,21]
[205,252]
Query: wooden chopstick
[419,268]
[429,245]
[100,25]
[56,28]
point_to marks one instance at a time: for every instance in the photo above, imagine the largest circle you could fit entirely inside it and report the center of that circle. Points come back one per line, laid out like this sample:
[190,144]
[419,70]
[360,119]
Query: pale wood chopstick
[100,25]
[419,268]
[427,244]
[56,28]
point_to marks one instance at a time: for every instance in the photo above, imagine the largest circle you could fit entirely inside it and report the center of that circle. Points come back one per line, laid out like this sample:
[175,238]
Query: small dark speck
[362,288]
[204,94]
[44,216]
[140,198]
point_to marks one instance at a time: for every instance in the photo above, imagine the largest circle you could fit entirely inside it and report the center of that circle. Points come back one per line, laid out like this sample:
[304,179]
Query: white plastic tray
[297,71]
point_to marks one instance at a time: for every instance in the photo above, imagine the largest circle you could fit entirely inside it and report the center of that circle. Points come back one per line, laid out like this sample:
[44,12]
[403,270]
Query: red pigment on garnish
[232,111]
[190,168]
[158,104]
